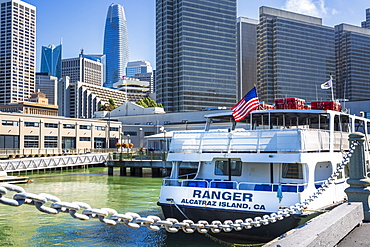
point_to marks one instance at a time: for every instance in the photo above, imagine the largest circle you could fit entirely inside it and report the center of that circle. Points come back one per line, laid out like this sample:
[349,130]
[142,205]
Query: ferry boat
[271,160]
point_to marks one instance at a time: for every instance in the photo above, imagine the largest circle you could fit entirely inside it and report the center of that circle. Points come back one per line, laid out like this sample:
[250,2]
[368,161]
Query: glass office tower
[17,51]
[366,24]
[295,56]
[51,60]
[352,45]
[195,54]
[247,55]
[115,44]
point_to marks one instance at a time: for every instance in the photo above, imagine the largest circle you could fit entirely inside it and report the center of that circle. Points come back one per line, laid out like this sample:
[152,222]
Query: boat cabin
[271,150]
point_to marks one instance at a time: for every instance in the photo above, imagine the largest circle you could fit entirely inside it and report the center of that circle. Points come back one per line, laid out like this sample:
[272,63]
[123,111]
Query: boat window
[292,170]
[345,170]
[323,170]
[221,167]
[359,125]
[342,123]
[290,120]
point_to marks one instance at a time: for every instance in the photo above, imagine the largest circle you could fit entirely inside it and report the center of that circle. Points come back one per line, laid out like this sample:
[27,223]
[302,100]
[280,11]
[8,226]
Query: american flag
[246,105]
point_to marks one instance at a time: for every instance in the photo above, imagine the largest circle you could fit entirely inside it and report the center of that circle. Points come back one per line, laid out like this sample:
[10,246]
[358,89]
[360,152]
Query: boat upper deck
[271,131]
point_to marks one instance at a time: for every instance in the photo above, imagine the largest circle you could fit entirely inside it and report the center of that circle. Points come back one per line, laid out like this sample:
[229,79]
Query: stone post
[359,182]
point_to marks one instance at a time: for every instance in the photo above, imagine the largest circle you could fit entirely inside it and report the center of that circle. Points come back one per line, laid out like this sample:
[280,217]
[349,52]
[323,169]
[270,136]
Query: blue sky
[80,23]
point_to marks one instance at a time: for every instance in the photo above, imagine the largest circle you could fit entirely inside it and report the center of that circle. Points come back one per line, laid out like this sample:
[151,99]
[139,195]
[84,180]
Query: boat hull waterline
[263,233]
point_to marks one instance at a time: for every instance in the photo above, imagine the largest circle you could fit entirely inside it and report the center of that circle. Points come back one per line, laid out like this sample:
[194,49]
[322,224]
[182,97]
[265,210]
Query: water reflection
[25,226]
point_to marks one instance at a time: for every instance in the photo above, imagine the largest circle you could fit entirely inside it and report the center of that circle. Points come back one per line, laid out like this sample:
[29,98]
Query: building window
[222,167]
[31,141]
[99,127]
[50,142]
[85,139]
[148,133]
[31,124]
[113,129]
[85,127]
[9,123]
[292,170]
[69,126]
[131,133]
[51,125]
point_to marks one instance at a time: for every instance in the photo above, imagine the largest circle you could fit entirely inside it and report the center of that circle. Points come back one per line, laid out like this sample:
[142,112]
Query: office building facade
[138,67]
[17,51]
[82,100]
[247,55]
[195,54]
[134,88]
[84,69]
[352,45]
[295,56]
[149,77]
[115,46]
[51,60]
[47,84]
[366,24]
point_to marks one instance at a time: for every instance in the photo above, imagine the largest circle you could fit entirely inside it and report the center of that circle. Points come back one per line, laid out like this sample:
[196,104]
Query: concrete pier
[158,168]
[324,230]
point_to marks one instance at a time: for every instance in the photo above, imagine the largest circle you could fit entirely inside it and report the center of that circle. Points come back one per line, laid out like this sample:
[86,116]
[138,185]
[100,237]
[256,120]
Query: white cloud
[308,7]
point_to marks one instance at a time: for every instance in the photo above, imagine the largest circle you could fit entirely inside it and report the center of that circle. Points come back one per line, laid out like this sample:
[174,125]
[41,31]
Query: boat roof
[227,116]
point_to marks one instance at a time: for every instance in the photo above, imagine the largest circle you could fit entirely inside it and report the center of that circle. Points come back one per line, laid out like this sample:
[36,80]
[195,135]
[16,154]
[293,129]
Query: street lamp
[165,144]
[120,157]
[128,145]
[140,138]
[140,143]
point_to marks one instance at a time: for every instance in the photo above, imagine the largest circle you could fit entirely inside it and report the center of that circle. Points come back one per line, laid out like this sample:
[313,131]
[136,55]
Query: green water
[26,226]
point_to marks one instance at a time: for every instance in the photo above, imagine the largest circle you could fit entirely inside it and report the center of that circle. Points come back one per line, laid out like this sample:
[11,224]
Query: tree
[108,106]
[148,102]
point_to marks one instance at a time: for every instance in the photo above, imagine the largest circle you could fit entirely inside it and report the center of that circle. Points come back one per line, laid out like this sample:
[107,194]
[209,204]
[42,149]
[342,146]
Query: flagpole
[332,85]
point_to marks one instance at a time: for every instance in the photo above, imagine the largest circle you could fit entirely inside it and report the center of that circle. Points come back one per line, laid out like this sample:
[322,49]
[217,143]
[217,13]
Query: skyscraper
[115,44]
[83,68]
[51,60]
[352,46]
[17,51]
[47,84]
[366,24]
[137,67]
[247,55]
[195,54]
[295,54]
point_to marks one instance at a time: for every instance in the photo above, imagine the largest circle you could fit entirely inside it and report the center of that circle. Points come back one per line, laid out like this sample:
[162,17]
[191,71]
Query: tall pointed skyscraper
[115,44]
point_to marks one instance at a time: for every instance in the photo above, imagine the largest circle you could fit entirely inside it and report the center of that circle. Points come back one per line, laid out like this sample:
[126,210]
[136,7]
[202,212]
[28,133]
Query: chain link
[133,220]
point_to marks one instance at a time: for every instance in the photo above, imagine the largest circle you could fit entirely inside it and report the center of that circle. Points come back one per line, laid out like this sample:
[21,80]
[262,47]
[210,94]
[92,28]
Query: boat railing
[319,183]
[266,140]
[187,176]
[271,187]
[208,183]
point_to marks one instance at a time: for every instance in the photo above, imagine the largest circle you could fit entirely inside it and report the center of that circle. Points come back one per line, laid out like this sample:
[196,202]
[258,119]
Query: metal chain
[133,220]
